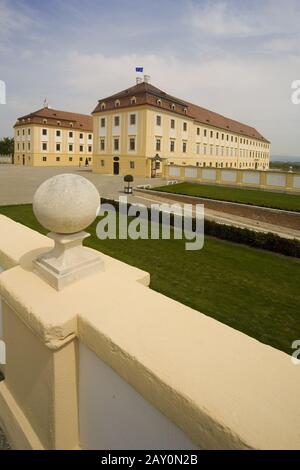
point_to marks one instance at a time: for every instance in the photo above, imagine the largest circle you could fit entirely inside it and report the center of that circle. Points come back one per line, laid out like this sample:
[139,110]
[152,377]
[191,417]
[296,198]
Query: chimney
[147,78]
[139,80]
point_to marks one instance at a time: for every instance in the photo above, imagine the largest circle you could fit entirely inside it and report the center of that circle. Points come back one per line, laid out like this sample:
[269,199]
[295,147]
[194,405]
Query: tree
[6,146]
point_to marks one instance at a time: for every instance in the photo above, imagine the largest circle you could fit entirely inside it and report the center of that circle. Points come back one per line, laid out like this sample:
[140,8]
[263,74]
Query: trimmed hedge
[265,241]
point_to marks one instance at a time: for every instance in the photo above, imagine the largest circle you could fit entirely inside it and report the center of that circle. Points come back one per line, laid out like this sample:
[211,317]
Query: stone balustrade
[270,179]
[104,362]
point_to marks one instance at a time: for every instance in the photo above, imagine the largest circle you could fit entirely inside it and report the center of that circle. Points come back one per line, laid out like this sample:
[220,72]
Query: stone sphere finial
[66,203]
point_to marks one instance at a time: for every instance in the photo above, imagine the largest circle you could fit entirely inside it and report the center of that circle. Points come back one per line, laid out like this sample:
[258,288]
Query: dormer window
[28,119]
[173,106]
[44,121]
[103,106]
[58,123]
[185,110]
[117,103]
[133,100]
[71,124]
[158,102]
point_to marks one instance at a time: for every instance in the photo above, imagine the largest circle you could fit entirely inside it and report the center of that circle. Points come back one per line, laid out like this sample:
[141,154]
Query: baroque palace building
[141,129]
[49,137]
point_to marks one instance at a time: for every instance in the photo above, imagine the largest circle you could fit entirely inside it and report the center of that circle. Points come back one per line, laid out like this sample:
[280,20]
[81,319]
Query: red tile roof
[79,121]
[145,93]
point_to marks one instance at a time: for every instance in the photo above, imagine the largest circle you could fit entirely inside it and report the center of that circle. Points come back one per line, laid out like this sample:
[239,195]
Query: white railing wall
[272,180]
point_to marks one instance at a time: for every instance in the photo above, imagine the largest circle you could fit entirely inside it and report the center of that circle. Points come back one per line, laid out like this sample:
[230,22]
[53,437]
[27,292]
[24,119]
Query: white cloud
[244,19]
[12,20]
[251,85]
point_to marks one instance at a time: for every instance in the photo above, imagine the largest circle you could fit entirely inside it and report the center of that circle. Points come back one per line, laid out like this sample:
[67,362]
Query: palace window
[132,119]
[80,136]
[102,122]
[89,148]
[158,120]
[71,148]
[172,146]
[102,162]
[58,133]
[132,165]
[71,135]
[70,159]
[90,137]
[211,134]
[116,121]
[58,147]
[172,123]
[44,159]
[185,126]
[198,130]
[102,145]
[116,144]
[81,148]
[158,145]
[132,143]
[205,132]
[58,159]
[44,132]
[184,147]
[44,146]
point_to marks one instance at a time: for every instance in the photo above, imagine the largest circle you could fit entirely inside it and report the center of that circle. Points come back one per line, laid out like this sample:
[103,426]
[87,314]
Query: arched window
[117,103]
[158,102]
[45,121]
[133,100]
[185,110]
[103,106]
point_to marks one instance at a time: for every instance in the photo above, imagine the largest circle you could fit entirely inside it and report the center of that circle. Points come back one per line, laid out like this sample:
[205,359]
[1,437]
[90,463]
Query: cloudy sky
[235,57]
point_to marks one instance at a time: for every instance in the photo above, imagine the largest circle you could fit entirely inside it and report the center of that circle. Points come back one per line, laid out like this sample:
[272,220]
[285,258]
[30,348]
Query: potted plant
[128,179]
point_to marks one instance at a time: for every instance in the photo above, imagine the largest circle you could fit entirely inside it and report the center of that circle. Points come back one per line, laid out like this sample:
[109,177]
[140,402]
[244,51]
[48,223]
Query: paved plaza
[19,183]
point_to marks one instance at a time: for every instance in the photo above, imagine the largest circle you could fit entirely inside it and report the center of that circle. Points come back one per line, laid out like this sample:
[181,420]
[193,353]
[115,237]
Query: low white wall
[5,159]
[273,180]
[114,416]
[1,327]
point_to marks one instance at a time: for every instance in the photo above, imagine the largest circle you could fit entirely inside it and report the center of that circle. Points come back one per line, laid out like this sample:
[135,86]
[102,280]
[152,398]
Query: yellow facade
[45,145]
[154,131]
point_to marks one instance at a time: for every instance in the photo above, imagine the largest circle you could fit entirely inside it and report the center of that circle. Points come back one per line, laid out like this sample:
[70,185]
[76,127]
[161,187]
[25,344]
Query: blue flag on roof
[139,69]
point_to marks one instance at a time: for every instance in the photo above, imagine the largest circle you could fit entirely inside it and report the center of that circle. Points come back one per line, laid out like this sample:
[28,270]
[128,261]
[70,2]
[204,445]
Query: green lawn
[255,197]
[254,291]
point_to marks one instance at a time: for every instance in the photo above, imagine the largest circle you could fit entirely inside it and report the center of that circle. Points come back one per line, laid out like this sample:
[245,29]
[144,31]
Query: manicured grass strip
[251,290]
[290,202]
